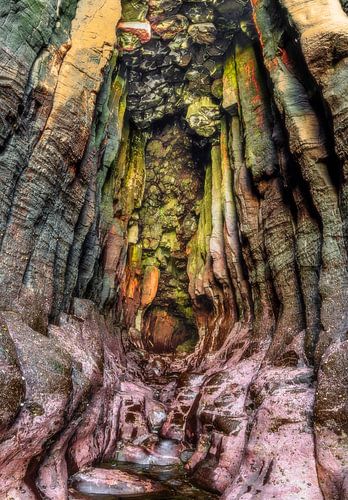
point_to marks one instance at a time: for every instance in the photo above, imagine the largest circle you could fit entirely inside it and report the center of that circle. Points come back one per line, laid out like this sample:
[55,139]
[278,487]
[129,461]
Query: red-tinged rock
[156,415]
[142,30]
[331,422]
[46,370]
[164,331]
[113,482]
[10,378]
[279,457]
[161,452]
[150,285]
[219,246]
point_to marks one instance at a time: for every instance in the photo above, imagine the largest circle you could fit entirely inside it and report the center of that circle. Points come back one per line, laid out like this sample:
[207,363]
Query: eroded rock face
[113,482]
[183,61]
[166,222]
[173,242]
[50,180]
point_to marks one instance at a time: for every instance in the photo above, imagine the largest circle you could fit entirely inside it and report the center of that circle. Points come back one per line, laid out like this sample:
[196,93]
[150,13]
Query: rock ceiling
[173,52]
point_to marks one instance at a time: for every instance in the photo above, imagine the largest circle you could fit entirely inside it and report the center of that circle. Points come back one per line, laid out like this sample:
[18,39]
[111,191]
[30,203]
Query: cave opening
[167,221]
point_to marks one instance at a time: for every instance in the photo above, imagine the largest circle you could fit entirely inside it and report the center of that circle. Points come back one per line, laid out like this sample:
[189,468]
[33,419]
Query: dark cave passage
[159,232]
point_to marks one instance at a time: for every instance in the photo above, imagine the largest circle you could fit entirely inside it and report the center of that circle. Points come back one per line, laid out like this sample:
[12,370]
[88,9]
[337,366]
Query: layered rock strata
[173,242]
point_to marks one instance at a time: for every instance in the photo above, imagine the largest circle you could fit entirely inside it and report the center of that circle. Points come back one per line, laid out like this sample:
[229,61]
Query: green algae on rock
[203,116]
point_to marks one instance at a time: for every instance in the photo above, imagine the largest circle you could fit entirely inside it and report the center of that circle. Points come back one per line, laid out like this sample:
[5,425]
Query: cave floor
[174,479]
[162,465]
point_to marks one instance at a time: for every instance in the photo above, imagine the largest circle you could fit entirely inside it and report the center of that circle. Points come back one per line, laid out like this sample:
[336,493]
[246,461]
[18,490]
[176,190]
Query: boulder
[113,482]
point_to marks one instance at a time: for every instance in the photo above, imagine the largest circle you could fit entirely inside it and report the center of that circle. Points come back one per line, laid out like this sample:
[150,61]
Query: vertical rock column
[323,36]
[46,201]
[277,229]
[308,145]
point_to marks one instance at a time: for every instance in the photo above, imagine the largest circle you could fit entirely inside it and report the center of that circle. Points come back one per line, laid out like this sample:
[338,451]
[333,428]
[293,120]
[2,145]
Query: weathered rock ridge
[173,245]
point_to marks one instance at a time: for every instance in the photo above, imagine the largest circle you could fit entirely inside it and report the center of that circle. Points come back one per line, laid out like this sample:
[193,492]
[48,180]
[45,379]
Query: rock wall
[173,241]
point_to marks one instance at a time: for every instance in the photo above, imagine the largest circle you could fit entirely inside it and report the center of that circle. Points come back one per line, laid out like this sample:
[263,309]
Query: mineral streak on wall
[173,244]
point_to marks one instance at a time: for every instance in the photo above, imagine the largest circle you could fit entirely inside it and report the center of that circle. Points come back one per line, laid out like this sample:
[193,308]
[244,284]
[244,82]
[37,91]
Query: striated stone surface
[173,245]
[46,371]
[331,422]
[49,177]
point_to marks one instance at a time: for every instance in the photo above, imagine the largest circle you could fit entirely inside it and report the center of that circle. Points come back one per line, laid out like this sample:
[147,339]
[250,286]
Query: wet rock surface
[171,480]
[173,246]
[183,60]
[113,482]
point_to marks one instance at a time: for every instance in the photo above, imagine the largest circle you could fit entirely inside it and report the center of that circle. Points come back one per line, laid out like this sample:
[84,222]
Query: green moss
[134,255]
[199,245]
[128,41]
[203,116]
[111,123]
[170,241]
[35,409]
[230,85]
[187,347]
[58,367]
[134,10]
[135,176]
[256,112]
